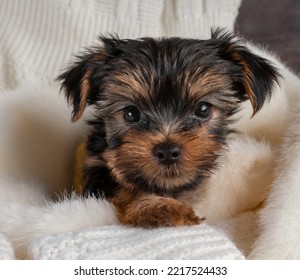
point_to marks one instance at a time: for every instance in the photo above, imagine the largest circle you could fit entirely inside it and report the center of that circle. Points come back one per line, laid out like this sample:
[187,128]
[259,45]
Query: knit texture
[117,242]
[39,37]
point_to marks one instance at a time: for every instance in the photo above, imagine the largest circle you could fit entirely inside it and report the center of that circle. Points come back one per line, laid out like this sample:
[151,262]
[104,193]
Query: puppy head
[164,104]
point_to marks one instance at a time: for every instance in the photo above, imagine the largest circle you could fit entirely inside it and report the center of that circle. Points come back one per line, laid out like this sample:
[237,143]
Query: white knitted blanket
[117,242]
[38,38]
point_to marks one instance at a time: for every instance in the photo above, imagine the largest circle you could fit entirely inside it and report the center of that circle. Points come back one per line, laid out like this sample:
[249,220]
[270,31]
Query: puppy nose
[167,153]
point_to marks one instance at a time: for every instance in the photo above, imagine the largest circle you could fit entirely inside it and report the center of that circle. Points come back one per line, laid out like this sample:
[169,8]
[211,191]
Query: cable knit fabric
[117,242]
[39,39]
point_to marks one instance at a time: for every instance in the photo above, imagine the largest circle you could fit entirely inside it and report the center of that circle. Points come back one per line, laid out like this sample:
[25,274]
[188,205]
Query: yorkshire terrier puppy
[163,109]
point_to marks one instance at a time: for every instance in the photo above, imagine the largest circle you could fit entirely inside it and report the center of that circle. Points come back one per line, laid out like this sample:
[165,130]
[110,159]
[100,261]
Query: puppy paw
[158,212]
[173,213]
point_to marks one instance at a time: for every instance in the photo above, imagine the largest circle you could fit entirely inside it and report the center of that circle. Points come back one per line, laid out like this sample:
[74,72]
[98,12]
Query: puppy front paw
[172,213]
[154,211]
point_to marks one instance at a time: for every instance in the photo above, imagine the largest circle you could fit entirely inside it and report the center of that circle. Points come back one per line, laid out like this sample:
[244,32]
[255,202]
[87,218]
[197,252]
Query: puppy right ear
[82,80]
[77,84]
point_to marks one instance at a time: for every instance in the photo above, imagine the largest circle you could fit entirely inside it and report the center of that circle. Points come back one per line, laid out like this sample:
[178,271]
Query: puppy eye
[203,110]
[132,114]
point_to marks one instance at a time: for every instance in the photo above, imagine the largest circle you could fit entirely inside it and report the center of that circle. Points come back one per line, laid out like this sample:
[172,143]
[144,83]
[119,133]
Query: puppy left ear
[257,76]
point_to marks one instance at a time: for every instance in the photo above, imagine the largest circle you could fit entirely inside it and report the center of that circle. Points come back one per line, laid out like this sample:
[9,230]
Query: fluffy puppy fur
[163,114]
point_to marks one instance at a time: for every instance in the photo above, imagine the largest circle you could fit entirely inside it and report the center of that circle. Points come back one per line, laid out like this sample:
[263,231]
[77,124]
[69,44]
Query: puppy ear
[81,82]
[256,77]
[77,85]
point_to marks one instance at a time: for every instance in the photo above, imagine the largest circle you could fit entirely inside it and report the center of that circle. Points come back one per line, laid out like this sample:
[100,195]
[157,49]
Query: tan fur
[207,83]
[149,210]
[128,83]
[247,80]
[197,146]
[85,90]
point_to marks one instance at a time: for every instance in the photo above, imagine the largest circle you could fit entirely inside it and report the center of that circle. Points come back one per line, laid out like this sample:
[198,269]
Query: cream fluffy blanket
[38,37]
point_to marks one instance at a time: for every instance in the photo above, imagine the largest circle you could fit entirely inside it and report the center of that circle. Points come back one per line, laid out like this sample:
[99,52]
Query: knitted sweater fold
[40,37]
